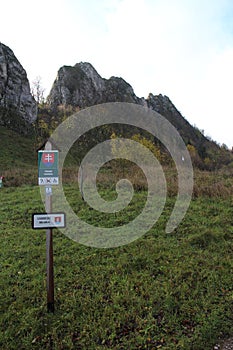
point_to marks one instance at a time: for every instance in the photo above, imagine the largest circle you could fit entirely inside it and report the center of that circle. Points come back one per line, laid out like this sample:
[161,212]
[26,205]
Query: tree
[38,91]
[121,149]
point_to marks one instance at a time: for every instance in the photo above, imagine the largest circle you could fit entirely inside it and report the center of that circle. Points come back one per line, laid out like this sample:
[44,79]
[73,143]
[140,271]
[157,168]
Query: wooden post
[49,249]
[81,180]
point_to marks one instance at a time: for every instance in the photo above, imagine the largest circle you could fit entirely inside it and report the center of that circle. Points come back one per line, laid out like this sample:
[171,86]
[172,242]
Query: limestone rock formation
[82,86]
[163,105]
[15,92]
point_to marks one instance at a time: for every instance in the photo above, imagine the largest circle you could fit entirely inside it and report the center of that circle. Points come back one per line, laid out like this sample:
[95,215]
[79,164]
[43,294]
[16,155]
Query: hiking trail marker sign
[48,168]
[45,220]
[48,176]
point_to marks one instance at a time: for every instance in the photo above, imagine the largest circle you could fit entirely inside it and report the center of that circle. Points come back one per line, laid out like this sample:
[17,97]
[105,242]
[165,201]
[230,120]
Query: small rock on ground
[224,345]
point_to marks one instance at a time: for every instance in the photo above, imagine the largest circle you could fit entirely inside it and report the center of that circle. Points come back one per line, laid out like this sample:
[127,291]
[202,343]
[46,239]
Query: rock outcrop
[81,86]
[15,95]
[163,105]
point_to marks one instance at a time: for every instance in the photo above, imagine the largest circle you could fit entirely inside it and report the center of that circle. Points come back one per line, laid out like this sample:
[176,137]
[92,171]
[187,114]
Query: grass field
[163,291]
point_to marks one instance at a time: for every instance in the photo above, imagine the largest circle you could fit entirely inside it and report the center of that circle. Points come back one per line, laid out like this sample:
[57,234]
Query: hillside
[76,88]
[16,151]
[167,291]
[81,86]
[163,291]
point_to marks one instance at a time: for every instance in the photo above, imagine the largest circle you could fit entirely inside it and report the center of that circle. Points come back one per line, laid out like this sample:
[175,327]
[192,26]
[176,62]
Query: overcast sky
[179,48]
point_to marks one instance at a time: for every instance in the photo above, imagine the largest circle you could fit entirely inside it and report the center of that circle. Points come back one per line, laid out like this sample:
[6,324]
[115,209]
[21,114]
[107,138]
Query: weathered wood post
[81,180]
[48,175]
[49,248]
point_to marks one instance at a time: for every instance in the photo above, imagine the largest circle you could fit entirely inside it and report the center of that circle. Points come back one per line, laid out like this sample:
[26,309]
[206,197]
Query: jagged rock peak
[92,74]
[82,86]
[161,103]
[14,86]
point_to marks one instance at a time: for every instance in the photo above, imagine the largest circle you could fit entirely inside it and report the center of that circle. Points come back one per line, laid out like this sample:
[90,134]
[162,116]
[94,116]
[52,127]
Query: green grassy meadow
[163,291]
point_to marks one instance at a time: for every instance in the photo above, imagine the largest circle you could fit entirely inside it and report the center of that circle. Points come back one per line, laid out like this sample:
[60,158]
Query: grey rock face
[14,86]
[163,105]
[82,86]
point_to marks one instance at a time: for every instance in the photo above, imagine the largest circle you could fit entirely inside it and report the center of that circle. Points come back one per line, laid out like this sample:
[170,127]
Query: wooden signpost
[48,176]
[49,250]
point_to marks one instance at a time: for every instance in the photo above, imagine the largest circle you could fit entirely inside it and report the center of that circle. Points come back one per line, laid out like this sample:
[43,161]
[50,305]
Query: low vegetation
[162,291]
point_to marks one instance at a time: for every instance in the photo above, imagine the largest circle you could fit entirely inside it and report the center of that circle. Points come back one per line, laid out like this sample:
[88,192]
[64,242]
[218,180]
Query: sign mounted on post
[48,168]
[42,221]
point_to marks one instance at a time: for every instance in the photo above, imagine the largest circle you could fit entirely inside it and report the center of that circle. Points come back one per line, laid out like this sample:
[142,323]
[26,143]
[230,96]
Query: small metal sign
[44,220]
[48,168]
[48,191]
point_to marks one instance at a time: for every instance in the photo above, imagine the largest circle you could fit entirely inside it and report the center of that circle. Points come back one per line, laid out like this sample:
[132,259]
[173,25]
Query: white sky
[179,48]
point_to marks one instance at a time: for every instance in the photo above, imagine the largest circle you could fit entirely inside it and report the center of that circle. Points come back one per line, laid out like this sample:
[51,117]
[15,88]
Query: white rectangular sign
[48,181]
[54,220]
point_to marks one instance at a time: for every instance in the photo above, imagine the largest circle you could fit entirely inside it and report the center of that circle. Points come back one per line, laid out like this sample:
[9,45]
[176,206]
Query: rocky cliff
[82,86]
[15,96]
